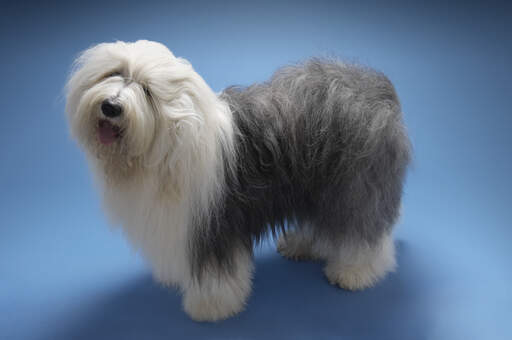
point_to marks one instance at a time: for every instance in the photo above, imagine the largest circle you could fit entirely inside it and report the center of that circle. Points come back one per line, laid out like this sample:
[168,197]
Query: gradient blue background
[65,275]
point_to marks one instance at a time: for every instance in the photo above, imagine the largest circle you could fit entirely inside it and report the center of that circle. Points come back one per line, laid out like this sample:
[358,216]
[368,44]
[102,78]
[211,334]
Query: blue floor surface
[65,275]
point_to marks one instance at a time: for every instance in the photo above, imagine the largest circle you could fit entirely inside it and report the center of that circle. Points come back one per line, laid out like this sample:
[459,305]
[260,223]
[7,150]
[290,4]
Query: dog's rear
[323,147]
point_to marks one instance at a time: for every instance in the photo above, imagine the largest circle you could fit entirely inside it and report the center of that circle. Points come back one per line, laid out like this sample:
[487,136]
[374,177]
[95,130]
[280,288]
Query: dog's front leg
[219,291]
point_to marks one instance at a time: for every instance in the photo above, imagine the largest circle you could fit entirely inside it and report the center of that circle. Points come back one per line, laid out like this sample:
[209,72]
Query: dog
[316,156]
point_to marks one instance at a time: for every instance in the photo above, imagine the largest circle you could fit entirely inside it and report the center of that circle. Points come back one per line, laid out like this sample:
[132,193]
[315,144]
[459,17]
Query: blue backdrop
[65,275]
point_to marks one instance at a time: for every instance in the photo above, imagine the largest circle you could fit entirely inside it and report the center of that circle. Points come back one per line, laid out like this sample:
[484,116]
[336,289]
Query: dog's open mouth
[108,132]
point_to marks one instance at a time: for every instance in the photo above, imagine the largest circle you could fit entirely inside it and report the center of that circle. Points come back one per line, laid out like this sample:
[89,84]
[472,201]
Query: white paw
[357,268]
[352,278]
[219,296]
[215,303]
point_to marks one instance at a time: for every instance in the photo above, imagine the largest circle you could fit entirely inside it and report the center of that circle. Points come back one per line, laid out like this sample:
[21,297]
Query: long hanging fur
[196,179]
[320,144]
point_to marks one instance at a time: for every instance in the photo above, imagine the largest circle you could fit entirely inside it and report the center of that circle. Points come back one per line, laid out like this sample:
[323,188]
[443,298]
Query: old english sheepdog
[316,155]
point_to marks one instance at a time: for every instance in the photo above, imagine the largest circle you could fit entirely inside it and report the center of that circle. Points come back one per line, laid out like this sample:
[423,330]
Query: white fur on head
[167,166]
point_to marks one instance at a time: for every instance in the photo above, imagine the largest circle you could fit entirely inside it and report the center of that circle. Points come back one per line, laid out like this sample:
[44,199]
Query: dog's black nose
[110,109]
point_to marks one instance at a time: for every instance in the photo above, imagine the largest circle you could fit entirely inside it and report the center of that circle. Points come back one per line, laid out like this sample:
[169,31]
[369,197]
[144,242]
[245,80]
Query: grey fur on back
[320,145]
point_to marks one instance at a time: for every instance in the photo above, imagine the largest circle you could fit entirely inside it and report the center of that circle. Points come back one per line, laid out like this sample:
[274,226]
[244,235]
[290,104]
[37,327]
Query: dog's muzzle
[108,132]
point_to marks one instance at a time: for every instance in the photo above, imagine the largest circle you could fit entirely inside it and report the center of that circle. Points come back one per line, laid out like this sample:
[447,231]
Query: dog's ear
[162,144]
[178,130]
[192,125]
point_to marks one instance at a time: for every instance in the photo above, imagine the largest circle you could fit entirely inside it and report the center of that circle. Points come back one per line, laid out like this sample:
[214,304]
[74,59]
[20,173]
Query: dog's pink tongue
[107,132]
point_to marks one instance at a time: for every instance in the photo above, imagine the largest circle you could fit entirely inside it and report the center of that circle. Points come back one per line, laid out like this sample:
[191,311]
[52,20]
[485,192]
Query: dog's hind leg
[359,222]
